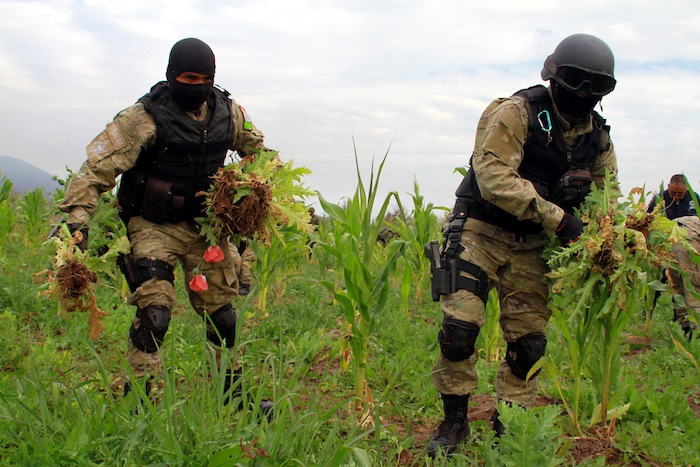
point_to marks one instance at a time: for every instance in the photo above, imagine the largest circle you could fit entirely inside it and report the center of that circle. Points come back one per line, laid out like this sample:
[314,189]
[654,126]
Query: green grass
[61,397]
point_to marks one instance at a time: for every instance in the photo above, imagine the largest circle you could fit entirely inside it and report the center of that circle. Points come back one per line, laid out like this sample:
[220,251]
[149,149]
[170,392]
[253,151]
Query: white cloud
[412,75]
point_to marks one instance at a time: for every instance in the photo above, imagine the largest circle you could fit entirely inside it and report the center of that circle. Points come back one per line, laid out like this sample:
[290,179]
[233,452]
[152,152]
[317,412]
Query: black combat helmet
[582,63]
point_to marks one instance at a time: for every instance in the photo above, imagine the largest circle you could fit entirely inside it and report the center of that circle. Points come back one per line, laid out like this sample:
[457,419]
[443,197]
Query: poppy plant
[214,254]
[198,283]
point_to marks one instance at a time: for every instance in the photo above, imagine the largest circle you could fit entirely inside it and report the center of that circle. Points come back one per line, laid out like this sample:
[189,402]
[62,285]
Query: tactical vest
[162,186]
[673,210]
[555,170]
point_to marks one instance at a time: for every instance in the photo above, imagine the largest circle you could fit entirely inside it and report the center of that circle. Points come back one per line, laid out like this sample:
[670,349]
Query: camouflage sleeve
[110,154]
[606,161]
[247,139]
[498,152]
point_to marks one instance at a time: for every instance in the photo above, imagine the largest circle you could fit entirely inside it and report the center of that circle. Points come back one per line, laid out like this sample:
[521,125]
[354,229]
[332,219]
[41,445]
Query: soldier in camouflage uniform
[685,287]
[165,147]
[535,157]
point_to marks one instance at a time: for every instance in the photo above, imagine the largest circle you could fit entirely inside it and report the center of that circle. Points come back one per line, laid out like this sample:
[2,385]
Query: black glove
[569,229]
[83,230]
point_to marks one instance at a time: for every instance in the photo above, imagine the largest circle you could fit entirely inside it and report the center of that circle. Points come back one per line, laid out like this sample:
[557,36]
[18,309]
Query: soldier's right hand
[83,234]
[569,229]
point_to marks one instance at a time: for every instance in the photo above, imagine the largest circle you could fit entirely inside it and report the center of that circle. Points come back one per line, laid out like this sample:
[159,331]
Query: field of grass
[61,399]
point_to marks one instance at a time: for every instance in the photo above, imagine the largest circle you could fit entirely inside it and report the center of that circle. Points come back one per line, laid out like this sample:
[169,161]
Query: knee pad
[457,339]
[522,354]
[221,326]
[153,324]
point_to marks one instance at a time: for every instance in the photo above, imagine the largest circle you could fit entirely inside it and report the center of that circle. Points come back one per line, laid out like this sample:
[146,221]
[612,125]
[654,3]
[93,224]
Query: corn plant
[34,214]
[596,283]
[366,280]
[416,229]
[7,221]
[273,261]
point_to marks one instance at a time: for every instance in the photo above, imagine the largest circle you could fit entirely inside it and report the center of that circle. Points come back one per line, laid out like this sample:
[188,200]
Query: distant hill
[25,176]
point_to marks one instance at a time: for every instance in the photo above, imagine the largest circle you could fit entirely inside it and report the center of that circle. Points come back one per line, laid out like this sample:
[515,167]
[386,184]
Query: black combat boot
[233,379]
[498,427]
[453,429]
[147,388]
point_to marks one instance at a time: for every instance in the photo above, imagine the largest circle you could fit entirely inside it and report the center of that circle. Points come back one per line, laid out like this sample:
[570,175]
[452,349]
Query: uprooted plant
[73,274]
[596,285]
[253,197]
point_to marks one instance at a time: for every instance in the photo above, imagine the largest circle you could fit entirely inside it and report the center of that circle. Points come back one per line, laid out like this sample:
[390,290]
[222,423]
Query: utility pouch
[130,194]
[156,200]
[572,187]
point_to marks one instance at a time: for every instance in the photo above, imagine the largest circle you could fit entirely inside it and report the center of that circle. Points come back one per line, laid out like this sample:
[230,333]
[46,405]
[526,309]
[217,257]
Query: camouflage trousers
[176,242]
[516,268]
[684,286]
[241,264]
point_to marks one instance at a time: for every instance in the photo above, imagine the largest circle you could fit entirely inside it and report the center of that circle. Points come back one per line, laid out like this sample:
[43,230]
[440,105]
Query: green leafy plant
[274,261]
[252,198]
[596,283]
[366,282]
[531,438]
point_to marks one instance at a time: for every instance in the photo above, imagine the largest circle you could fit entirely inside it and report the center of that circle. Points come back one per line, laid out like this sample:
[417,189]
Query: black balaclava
[571,106]
[190,55]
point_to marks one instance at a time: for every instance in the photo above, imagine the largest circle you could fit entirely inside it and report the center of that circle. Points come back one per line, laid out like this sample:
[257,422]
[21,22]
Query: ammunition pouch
[156,200]
[572,188]
[139,271]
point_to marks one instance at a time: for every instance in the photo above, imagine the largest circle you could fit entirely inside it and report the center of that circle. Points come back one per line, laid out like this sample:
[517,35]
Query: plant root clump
[74,278]
[642,224]
[246,216]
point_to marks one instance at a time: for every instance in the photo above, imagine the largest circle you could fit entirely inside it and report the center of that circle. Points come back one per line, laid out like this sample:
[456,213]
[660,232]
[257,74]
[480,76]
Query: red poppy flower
[199,283]
[214,254]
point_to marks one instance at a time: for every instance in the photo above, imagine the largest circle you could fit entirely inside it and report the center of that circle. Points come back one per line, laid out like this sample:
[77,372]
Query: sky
[330,82]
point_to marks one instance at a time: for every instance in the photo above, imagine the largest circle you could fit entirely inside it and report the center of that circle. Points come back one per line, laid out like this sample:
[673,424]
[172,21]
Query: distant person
[314,220]
[536,155]
[386,234]
[166,147]
[677,201]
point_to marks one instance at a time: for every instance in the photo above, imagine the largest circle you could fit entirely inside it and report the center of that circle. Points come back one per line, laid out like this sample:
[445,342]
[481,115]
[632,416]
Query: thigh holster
[138,271]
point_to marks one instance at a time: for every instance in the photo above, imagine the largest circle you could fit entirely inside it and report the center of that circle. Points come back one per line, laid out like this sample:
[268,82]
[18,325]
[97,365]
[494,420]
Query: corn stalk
[366,280]
[273,262]
[417,229]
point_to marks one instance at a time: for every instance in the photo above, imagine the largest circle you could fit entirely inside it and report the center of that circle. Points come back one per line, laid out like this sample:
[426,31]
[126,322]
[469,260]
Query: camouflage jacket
[499,150]
[118,147]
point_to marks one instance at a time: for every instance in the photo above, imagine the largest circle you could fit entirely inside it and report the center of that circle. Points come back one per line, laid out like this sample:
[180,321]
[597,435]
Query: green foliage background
[61,397]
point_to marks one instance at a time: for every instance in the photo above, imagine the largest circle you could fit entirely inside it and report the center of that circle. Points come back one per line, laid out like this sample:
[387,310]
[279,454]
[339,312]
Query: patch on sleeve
[116,136]
[100,147]
[247,122]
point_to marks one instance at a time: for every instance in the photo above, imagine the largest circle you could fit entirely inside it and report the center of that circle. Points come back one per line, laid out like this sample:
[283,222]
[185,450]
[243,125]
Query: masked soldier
[166,147]
[535,157]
